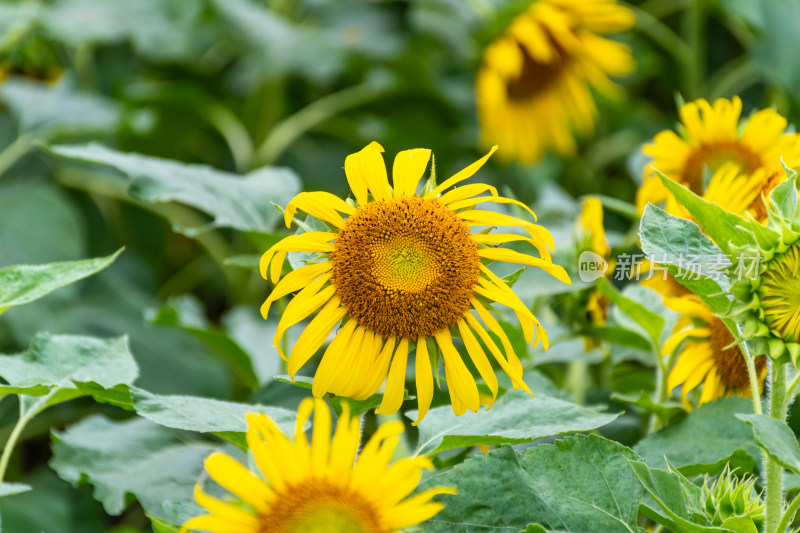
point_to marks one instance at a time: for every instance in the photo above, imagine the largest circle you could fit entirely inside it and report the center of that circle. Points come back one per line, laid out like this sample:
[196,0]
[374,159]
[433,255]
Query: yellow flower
[780,294]
[533,88]
[711,137]
[315,488]
[709,356]
[593,235]
[404,269]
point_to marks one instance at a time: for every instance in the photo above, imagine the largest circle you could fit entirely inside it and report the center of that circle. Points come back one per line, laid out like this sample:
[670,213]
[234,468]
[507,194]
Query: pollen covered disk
[405,267]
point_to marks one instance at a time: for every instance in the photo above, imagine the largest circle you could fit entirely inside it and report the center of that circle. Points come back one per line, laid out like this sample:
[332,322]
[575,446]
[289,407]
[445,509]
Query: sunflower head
[394,272]
[742,156]
[766,301]
[325,486]
[708,354]
[533,88]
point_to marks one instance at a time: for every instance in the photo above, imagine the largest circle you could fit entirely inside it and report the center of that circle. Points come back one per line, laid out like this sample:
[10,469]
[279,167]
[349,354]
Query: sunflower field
[375,266]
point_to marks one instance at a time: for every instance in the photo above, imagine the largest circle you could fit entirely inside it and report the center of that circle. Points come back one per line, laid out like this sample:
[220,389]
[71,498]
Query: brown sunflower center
[714,155]
[780,294]
[535,77]
[405,267]
[728,358]
[316,506]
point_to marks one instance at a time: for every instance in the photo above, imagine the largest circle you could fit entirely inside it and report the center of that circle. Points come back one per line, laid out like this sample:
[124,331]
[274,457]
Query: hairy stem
[24,418]
[774,471]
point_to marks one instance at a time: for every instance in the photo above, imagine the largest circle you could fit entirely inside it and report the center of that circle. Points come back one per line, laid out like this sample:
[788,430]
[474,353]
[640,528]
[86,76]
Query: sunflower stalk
[774,471]
[25,416]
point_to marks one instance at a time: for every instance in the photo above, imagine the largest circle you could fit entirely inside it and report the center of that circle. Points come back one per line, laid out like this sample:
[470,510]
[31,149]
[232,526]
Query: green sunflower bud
[732,502]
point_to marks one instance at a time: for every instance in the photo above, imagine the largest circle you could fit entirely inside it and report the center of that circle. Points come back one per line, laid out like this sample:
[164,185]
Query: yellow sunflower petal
[366,172]
[461,175]
[396,381]
[408,168]
[294,281]
[463,384]
[511,256]
[424,380]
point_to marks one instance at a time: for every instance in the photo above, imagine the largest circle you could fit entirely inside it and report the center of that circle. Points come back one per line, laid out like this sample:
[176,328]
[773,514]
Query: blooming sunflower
[316,488]
[709,356]
[713,135]
[402,269]
[533,88]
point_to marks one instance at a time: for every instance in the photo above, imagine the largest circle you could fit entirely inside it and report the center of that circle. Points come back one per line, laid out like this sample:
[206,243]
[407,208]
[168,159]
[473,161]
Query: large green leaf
[59,361]
[578,484]
[708,438]
[135,457]
[514,419]
[239,202]
[724,228]
[11,489]
[59,110]
[672,242]
[777,439]
[206,415]
[26,283]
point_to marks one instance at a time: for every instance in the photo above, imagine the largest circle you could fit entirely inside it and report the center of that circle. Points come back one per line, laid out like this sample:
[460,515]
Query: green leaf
[578,484]
[514,419]
[724,227]
[10,489]
[186,313]
[58,361]
[617,335]
[680,500]
[205,415]
[776,438]
[708,438]
[27,283]
[652,323]
[59,111]
[644,401]
[239,202]
[135,457]
[672,242]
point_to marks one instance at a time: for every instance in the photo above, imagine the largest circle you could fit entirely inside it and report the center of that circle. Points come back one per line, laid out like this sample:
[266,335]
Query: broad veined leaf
[60,361]
[708,438]
[726,229]
[206,415]
[777,439]
[579,484]
[652,323]
[514,419]
[684,250]
[27,283]
[134,457]
[10,489]
[239,202]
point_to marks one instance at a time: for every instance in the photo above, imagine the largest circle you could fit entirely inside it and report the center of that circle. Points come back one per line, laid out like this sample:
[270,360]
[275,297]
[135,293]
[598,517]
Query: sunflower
[779,293]
[534,85]
[710,355]
[593,237]
[317,488]
[713,136]
[403,269]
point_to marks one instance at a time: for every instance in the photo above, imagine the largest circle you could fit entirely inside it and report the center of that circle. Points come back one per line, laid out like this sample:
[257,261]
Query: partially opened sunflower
[398,269]
[534,88]
[327,486]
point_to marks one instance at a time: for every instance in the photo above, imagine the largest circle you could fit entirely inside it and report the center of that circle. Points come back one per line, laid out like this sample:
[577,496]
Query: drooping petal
[409,166]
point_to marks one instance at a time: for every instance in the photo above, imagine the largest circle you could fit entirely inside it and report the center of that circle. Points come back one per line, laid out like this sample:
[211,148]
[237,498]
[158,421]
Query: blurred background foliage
[289,88]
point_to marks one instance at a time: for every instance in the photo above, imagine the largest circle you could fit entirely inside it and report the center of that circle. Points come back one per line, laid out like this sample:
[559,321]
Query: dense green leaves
[135,458]
[27,283]
[515,418]
[575,485]
[708,438]
[60,361]
[777,439]
[240,202]
[652,323]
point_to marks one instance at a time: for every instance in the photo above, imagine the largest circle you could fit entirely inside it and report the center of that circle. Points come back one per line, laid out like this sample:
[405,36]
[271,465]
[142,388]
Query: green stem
[755,390]
[660,395]
[24,418]
[14,151]
[662,35]
[788,516]
[694,25]
[774,471]
[285,133]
